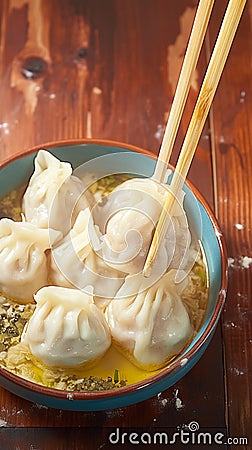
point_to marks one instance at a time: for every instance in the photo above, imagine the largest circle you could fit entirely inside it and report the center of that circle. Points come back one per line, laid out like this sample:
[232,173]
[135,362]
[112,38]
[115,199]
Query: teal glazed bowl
[125,158]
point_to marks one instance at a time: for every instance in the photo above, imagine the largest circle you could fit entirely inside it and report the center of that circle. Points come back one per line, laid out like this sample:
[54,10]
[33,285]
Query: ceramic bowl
[17,170]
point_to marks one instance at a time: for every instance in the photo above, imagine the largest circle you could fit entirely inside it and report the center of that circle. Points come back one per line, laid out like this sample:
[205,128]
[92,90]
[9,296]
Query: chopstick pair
[212,77]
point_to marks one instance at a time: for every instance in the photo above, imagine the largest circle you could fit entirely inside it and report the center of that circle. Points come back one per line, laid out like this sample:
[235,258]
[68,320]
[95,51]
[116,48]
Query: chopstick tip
[147,269]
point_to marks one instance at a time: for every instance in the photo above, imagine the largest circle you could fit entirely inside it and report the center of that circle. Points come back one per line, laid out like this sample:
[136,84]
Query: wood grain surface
[108,69]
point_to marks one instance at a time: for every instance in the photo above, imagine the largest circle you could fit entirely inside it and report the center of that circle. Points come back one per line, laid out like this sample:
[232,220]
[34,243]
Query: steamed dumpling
[150,325]
[75,262]
[52,193]
[23,259]
[127,221]
[67,256]
[66,328]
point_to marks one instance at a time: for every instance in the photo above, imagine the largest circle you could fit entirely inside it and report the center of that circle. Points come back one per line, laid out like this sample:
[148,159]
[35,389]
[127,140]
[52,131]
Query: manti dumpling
[66,328]
[75,262]
[53,196]
[23,259]
[127,221]
[150,325]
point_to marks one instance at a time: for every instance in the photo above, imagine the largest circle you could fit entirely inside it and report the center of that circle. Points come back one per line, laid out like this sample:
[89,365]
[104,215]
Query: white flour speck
[178,401]
[231,262]
[161,401]
[245,262]
[239,226]
[159,133]
[164,401]
[3,423]
[230,325]
[236,371]
[4,125]
[242,96]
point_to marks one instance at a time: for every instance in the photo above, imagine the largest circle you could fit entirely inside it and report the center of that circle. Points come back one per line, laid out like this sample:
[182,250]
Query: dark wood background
[108,69]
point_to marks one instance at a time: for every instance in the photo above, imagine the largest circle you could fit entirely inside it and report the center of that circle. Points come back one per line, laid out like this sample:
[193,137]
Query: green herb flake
[202,275]
[116,376]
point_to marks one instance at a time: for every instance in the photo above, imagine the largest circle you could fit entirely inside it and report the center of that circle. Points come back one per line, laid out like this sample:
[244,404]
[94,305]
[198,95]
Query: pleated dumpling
[150,325]
[74,262]
[66,328]
[23,259]
[127,221]
[53,194]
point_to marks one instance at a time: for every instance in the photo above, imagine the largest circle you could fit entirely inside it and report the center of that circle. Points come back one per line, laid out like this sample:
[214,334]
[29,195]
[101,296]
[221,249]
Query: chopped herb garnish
[108,184]
[116,376]
[89,384]
[13,318]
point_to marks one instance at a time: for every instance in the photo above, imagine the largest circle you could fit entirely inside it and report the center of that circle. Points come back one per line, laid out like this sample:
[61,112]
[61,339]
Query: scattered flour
[231,262]
[236,371]
[242,262]
[3,423]
[178,401]
[230,325]
[164,401]
[5,127]
[245,261]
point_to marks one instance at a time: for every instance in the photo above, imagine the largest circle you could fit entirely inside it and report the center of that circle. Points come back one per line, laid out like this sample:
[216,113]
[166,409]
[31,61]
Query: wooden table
[108,69]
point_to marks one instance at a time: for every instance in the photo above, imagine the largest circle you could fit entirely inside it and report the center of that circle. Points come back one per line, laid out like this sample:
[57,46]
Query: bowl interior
[114,158]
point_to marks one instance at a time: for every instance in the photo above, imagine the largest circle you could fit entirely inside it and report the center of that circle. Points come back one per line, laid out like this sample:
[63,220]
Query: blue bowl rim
[188,354]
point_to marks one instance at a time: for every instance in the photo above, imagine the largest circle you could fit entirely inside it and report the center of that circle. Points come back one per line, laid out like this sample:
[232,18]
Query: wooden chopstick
[212,77]
[189,64]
